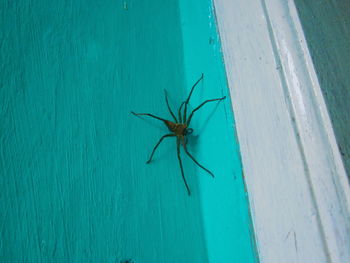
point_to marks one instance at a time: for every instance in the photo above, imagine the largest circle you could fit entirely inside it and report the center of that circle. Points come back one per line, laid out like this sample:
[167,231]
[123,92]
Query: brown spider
[180,129]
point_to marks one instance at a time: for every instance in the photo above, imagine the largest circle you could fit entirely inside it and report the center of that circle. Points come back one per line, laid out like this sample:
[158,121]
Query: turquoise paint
[74,183]
[223,200]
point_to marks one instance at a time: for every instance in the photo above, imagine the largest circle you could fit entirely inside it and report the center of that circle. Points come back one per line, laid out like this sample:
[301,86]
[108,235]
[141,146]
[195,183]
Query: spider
[180,129]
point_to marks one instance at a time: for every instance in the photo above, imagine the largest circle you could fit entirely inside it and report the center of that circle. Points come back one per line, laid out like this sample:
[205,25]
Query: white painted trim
[298,190]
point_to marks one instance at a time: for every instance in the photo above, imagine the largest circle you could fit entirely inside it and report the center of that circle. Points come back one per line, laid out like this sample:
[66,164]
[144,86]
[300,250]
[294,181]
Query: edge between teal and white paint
[298,190]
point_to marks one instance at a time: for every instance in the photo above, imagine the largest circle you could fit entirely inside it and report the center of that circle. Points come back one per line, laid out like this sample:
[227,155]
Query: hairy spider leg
[180,162]
[151,115]
[201,105]
[155,147]
[189,96]
[167,103]
[193,159]
[179,113]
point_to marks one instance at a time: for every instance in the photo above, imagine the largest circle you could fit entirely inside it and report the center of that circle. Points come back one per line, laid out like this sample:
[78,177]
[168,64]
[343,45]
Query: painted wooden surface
[226,219]
[330,50]
[297,185]
[74,183]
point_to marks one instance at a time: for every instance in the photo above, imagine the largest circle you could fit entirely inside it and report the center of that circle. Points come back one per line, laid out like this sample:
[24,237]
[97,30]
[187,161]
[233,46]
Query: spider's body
[180,129]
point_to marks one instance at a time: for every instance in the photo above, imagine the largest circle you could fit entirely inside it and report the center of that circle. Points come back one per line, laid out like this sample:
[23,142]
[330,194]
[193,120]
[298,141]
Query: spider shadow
[194,138]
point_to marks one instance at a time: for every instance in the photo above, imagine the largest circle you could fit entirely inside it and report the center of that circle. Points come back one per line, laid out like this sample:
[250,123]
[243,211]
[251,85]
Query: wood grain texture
[295,177]
[74,183]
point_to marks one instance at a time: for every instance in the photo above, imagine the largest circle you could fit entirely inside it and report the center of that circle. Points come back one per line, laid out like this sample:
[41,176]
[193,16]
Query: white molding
[298,189]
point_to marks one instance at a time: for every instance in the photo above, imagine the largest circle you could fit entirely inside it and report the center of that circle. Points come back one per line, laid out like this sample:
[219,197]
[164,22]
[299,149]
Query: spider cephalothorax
[180,129]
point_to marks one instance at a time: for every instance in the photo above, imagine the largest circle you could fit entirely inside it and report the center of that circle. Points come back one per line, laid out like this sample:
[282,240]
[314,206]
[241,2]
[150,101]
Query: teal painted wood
[227,225]
[330,49]
[74,183]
